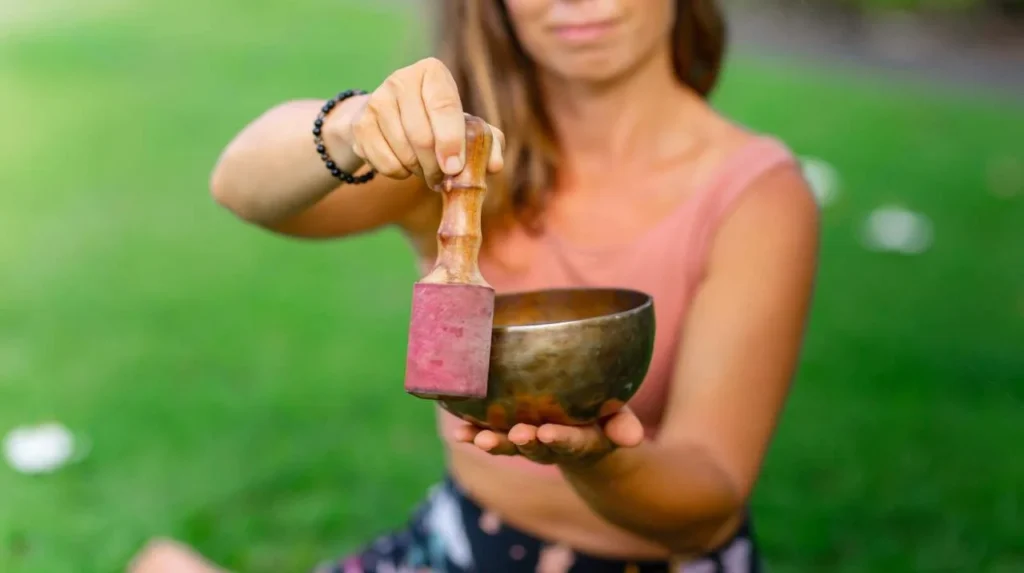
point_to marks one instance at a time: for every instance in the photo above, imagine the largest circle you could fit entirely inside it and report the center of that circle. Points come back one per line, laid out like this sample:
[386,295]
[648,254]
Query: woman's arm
[738,354]
[411,129]
[271,175]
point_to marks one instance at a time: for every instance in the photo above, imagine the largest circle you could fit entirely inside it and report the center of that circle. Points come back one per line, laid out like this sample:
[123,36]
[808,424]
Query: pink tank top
[666,262]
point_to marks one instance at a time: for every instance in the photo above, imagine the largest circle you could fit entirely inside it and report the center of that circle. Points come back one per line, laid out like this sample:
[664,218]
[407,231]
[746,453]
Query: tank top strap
[727,186]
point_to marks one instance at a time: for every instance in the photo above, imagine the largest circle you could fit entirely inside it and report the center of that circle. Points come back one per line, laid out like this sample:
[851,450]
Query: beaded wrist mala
[321,149]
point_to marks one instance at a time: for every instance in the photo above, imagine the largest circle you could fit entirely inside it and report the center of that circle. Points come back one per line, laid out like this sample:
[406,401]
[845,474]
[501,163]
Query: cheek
[525,12]
[527,18]
[655,23]
[650,30]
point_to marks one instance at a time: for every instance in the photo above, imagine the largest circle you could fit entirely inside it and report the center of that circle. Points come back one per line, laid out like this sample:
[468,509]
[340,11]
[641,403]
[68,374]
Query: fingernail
[452,165]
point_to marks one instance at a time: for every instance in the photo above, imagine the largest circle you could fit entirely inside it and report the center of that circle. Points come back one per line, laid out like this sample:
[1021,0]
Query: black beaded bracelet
[318,125]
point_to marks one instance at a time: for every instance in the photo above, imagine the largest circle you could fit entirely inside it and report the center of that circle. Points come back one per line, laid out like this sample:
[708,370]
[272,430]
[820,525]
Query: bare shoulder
[776,221]
[778,195]
[721,141]
[725,137]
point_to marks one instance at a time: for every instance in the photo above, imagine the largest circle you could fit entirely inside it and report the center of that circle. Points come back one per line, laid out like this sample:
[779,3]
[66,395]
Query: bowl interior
[563,305]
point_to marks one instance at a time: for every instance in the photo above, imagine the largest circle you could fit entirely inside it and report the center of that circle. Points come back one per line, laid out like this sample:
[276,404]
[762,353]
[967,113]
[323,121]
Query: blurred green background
[242,392]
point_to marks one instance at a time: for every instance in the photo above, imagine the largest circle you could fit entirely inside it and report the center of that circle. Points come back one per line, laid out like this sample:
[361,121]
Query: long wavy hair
[498,82]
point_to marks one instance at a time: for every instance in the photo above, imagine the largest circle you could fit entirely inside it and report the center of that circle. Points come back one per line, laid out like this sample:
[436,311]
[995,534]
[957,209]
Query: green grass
[243,392]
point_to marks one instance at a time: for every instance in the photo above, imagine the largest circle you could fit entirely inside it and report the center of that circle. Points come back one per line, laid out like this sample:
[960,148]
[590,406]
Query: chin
[595,70]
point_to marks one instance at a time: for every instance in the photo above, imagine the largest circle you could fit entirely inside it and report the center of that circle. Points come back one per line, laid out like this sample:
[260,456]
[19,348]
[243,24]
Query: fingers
[574,442]
[447,120]
[466,433]
[372,144]
[487,440]
[414,123]
[624,429]
[520,441]
[524,436]
[419,134]
[495,443]
[552,443]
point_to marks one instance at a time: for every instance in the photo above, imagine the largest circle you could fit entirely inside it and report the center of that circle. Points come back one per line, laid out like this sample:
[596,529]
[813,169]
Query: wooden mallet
[453,306]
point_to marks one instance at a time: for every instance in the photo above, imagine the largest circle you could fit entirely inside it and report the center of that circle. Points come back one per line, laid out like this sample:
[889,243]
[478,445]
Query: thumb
[496,162]
[624,429]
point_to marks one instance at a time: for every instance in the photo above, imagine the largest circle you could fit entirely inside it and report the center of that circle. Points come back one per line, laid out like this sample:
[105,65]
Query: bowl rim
[648,302]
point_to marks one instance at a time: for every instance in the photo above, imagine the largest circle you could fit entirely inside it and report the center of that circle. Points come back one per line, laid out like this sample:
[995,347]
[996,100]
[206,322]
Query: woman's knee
[167,556]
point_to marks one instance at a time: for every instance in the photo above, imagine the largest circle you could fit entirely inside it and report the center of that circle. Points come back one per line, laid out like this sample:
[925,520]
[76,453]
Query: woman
[612,170]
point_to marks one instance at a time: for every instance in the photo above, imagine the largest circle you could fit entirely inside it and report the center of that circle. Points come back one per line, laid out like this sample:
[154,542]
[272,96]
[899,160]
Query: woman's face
[591,40]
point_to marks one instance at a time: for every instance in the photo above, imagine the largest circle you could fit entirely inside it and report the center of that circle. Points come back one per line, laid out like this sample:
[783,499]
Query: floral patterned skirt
[450,533]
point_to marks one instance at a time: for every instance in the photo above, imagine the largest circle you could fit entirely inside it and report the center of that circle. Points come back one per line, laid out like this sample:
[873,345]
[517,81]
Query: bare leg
[166,556]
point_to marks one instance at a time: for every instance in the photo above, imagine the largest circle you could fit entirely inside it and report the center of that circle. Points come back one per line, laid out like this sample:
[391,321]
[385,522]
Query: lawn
[242,392]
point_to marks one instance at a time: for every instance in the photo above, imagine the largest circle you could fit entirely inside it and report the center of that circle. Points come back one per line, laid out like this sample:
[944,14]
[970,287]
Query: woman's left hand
[555,444]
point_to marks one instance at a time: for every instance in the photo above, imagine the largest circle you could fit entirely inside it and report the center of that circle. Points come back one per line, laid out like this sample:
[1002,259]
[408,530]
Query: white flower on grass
[39,449]
[896,229]
[822,178]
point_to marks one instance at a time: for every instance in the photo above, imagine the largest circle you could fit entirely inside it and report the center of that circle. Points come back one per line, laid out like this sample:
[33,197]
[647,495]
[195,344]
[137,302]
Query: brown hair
[498,82]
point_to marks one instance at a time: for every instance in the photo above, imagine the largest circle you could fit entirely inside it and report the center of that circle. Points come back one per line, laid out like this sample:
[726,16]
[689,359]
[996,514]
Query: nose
[598,6]
[586,6]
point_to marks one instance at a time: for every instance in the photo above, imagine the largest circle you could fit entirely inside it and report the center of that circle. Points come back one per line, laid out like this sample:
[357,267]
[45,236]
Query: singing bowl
[562,356]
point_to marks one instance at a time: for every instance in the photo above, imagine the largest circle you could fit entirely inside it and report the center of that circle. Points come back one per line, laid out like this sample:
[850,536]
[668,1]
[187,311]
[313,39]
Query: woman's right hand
[414,124]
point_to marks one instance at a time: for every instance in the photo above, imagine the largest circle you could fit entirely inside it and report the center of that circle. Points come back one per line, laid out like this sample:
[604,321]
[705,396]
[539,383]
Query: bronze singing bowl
[563,356]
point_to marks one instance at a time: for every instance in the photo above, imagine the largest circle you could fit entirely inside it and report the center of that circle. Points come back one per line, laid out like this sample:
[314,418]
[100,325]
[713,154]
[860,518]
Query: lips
[584,31]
